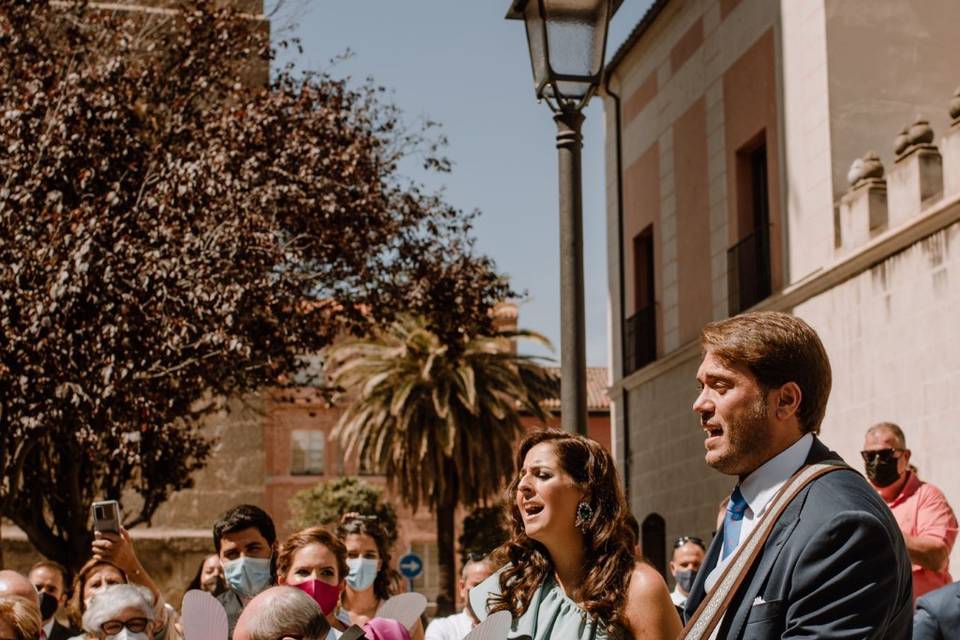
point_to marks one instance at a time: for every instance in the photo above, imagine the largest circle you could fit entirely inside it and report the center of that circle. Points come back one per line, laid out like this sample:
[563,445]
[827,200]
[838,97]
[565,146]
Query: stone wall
[234,473]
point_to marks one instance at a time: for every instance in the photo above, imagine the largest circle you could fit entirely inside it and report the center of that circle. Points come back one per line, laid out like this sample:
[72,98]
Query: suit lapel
[743,601]
[740,606]
[771,550]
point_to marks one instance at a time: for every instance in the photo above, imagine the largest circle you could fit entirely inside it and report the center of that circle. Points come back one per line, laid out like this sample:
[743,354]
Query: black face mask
[48,605]
[882,473]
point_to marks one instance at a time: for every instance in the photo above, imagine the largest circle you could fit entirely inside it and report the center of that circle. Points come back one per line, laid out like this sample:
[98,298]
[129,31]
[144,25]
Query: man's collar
[759,488]
[909,488]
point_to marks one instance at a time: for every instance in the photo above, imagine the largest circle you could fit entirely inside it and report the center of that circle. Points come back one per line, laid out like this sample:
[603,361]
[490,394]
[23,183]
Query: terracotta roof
[597,399]
[645,22]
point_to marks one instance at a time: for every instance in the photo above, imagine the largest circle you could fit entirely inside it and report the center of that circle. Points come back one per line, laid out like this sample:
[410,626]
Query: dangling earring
[584,514]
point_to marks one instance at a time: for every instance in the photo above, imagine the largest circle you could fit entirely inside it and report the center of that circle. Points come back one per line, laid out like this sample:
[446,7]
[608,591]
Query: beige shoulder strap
[711,610]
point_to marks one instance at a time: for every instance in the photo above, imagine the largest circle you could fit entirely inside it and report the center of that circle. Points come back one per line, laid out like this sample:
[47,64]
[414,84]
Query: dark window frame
[749,260]
[640,339]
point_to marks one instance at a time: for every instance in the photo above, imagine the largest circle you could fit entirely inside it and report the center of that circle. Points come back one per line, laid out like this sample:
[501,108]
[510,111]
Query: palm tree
[440,421]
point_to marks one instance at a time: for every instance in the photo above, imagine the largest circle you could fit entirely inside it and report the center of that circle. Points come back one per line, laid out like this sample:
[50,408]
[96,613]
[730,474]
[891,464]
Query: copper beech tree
[174,229]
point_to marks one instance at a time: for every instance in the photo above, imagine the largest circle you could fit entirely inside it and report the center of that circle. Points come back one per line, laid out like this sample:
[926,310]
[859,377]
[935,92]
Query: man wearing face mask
[688,554]
[926,520]
[49,579]
[245,540]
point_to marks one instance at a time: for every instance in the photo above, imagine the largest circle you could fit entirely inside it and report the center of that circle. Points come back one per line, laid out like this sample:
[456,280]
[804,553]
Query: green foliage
[484,529]
[326,502]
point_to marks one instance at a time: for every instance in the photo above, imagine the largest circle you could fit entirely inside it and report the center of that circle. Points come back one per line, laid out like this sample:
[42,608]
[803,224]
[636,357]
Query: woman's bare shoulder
[649,611]
[645,581]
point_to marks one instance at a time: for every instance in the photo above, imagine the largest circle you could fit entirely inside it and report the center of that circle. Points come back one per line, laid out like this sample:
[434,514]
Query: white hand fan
[203,617]
[405,608]
[495,627]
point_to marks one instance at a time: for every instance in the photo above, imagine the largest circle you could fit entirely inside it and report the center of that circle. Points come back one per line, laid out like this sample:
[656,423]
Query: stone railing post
[951,149]
[863,208]
[916,179]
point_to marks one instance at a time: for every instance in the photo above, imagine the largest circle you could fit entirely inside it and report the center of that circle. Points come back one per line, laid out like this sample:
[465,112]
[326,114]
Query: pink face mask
[324,594]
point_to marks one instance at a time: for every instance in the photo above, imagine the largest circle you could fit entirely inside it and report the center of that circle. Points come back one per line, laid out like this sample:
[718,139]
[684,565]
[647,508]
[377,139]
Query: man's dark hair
[777,348]
[54,566]
[244,516]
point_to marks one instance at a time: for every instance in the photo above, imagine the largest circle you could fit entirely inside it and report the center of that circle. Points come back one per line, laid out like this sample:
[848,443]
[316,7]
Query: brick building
[731,129]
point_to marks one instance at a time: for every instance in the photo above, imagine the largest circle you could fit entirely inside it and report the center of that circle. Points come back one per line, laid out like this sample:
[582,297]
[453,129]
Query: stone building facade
[732,126]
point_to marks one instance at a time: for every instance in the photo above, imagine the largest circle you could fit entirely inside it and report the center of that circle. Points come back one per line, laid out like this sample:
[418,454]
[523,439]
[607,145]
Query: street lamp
[567,40]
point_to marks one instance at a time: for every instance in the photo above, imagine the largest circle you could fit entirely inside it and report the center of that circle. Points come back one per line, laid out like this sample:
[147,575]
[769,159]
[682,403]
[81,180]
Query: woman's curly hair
[607,540]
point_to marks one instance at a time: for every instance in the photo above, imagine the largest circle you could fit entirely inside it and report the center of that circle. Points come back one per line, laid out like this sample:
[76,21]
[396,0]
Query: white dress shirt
[679,598]
[455,627]
[759,488]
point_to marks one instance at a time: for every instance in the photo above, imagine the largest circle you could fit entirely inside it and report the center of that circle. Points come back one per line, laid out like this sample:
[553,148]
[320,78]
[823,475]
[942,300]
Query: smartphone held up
[106,516]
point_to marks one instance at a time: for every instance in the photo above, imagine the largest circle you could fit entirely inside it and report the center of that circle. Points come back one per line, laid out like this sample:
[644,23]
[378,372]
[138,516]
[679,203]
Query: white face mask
[126,634]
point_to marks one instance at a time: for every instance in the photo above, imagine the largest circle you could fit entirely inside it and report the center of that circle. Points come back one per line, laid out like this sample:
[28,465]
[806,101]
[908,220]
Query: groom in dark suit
[835,564]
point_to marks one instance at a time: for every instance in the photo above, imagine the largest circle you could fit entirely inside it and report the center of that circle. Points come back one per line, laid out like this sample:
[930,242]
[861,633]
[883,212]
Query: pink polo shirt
[922,510]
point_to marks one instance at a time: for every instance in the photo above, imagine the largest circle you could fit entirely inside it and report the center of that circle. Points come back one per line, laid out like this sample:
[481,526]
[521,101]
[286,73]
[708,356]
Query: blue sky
[460,63]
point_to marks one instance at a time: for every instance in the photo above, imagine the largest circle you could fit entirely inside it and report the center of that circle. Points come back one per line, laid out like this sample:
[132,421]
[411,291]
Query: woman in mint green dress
[571,573]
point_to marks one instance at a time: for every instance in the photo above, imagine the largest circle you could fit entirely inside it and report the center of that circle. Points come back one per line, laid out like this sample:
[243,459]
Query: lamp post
[567,40]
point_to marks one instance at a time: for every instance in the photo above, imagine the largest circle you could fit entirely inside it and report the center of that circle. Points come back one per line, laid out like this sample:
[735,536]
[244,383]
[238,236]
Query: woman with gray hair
[120,612]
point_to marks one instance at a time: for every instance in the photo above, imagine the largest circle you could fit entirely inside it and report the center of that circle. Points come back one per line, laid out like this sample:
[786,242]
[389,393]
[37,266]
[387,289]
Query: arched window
[653,536]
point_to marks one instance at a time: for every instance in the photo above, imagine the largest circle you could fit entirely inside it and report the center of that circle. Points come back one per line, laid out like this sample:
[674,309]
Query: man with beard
[926,520]
[833,564]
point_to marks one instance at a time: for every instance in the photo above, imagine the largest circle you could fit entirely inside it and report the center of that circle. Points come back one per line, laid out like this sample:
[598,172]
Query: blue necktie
[732,521]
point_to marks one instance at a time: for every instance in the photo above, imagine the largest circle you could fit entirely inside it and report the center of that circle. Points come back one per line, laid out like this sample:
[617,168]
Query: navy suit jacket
[835,566]
[938,614]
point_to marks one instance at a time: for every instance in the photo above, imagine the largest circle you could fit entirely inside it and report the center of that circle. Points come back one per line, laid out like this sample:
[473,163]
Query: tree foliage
[172,230]
[484,529]
[440,422]
[326,502]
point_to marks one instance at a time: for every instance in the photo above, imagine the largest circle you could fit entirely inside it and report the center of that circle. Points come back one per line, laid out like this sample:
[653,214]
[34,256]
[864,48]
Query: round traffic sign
[411,566]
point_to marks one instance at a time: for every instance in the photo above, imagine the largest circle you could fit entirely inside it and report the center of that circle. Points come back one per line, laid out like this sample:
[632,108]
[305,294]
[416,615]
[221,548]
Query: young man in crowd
[834,564]
[245,539]
[926,520]
[457,626]
[50,580]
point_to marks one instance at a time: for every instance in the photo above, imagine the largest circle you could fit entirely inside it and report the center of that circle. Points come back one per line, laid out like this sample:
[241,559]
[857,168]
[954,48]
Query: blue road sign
[411,566]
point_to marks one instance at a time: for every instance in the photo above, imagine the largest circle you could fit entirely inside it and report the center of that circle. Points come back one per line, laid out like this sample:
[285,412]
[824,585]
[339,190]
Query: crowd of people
[806,545]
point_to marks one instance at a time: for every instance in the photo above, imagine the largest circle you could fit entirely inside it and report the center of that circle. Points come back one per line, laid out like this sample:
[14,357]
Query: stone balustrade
[923,173]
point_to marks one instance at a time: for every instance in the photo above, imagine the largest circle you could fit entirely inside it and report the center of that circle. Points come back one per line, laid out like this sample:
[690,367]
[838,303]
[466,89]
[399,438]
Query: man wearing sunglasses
[926,520]
[688,554]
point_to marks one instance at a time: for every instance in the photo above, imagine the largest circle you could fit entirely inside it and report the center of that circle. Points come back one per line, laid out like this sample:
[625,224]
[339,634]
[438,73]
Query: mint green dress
[550,616]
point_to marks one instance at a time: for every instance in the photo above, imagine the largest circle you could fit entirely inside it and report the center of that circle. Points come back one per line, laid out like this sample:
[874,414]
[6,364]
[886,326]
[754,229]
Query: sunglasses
[882,455]
[682,540]
[113,627]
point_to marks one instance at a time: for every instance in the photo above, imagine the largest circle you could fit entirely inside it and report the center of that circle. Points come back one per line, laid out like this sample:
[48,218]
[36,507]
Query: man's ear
[788,401]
